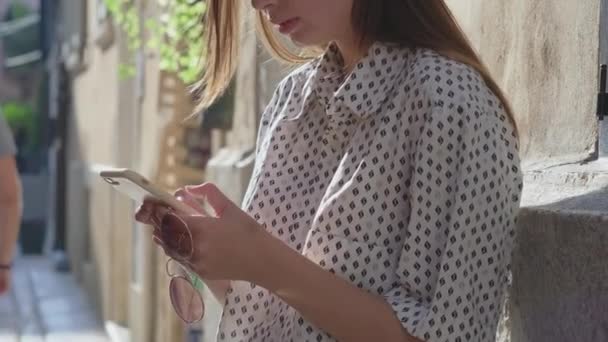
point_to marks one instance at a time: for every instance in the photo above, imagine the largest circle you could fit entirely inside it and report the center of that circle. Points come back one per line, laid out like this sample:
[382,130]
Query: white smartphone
[138,188]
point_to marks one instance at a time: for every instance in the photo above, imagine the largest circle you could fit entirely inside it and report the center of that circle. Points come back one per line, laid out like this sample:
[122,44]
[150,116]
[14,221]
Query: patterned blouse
[402,177]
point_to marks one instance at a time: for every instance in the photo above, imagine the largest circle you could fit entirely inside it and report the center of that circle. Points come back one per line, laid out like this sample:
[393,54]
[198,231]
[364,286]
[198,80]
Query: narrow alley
[47,306]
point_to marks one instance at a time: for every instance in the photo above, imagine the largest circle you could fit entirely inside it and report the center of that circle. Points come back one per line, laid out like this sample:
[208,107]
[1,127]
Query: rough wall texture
[545,56]
[604,33]
[560,278]
[560,282]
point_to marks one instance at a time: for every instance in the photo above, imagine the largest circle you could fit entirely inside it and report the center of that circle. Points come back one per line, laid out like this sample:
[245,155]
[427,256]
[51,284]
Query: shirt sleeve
[456,252]
[7,144]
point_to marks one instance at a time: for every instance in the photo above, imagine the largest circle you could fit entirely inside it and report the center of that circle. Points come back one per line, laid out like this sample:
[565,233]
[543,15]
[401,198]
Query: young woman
[384,195]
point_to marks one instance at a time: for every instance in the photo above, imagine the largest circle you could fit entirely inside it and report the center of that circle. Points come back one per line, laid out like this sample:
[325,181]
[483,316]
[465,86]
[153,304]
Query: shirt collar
[366,88]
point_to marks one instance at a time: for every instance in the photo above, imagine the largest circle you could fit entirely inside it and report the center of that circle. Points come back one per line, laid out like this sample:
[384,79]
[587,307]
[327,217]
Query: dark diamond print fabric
[401,177]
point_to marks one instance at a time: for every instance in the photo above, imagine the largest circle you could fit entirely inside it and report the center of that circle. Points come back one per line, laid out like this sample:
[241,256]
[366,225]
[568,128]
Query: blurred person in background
[10,204]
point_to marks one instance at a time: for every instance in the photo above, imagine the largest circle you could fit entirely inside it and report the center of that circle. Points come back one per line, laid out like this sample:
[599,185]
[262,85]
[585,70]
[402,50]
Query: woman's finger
[158,241]
[210,194]
[146,210]
[184,196]
[142,215]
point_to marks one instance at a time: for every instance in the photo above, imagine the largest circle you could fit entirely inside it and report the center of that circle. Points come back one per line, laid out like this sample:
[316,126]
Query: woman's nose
[262,5]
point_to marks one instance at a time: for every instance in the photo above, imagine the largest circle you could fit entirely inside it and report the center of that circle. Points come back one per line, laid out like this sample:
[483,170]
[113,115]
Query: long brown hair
[412,23]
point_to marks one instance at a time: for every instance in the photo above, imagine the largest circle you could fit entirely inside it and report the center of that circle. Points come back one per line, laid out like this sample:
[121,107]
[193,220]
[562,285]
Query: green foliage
[16,10]
[176,35]
[17,114]
[22,117]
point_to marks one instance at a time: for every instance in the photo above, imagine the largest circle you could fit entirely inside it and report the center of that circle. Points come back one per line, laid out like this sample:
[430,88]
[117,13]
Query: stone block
[560,279]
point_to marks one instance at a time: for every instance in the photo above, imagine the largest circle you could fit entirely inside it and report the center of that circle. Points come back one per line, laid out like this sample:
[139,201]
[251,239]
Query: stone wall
[560,278]
[545,56]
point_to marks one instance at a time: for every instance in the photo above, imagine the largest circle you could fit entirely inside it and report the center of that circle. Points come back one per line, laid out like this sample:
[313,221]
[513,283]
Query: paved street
[44,305]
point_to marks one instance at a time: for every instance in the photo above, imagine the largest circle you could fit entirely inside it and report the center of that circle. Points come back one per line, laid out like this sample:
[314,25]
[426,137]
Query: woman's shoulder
[437,88]
[439,76]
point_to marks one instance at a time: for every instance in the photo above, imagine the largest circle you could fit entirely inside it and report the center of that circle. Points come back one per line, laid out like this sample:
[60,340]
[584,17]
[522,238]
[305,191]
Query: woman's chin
[303,40]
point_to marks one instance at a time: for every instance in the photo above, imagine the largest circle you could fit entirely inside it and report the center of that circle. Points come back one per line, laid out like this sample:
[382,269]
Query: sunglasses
[185,286]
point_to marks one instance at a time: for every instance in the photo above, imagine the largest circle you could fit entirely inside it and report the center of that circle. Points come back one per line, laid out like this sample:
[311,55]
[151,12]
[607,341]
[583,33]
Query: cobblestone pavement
[45,305]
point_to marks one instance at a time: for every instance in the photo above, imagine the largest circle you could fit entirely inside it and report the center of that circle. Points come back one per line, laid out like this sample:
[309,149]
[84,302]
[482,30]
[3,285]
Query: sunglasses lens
[186,300]
[176,236]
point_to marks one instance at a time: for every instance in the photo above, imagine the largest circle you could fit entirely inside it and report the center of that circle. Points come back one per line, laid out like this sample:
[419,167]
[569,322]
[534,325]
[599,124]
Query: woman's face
[309,22]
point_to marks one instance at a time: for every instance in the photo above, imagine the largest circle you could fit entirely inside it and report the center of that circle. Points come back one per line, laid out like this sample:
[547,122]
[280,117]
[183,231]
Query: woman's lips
[287,26]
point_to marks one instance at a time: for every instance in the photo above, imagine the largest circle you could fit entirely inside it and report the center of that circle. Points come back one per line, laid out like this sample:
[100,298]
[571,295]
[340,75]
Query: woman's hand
[233,246]
[225,246]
